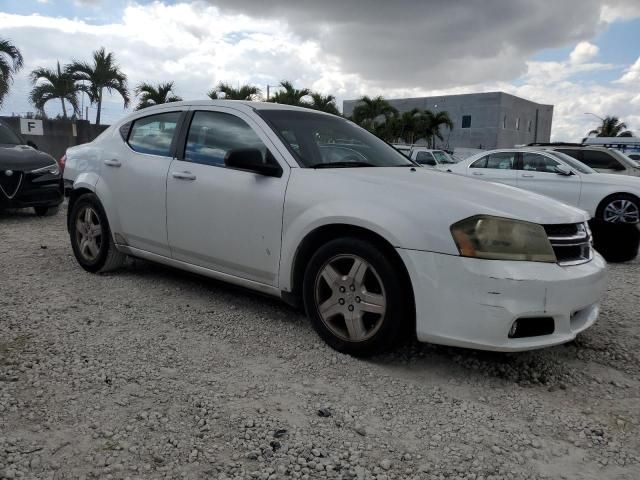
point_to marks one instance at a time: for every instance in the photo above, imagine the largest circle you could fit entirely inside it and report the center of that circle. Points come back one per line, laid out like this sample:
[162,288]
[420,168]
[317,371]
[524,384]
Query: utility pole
[268,89]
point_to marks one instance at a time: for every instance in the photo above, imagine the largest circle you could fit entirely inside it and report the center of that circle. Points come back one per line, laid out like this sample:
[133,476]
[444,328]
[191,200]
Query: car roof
[254,105]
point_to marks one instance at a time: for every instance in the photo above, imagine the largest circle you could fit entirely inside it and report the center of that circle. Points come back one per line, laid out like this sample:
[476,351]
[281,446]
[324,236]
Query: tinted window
[500,160]
[153,134]
[596,159]
[425,158]
[317,140]
[466,121]
[213,134]
[571,152]
[538,163]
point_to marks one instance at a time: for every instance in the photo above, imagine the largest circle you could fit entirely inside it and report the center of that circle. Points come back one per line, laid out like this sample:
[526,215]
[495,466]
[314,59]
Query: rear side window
[425,158]
[153,134]
[500,161]
[213,134]
[596,159]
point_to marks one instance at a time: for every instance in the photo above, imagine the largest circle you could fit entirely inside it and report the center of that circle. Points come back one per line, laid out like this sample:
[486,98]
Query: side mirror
[564,170]
[250,160]
[32,145]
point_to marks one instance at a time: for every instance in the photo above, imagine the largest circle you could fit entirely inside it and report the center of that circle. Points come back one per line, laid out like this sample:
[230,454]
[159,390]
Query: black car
[28,177]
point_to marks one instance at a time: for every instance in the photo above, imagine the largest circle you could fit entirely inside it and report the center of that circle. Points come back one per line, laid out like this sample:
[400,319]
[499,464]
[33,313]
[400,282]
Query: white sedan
[607,197]
[313,209]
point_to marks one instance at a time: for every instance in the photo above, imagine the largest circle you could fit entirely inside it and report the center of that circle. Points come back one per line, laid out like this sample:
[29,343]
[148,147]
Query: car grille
[571,242]
[10,184]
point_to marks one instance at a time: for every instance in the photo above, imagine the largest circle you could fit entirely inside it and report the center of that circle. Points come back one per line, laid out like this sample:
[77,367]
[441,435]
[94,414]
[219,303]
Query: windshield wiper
[342,165]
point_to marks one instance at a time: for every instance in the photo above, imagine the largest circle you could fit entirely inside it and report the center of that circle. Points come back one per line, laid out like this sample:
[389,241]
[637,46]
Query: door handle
[112,163]
[478,173]
[528,175]
[183,175]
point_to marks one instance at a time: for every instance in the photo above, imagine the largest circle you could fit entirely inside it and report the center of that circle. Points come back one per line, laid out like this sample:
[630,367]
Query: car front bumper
[473,303]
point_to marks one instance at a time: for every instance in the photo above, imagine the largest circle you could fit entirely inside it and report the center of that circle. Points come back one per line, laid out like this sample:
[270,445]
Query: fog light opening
[532,327]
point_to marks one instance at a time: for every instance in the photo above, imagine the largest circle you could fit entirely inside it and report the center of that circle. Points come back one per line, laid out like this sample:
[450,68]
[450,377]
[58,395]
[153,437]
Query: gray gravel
[153,373]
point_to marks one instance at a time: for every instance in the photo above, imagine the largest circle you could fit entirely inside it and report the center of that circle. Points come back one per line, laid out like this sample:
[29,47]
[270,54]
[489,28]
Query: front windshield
[443,157]
[7,136]
[572,162]
[319,140]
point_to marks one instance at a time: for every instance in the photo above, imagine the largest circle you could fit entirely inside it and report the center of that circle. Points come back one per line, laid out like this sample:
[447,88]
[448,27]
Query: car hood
[457,197]
[23,157]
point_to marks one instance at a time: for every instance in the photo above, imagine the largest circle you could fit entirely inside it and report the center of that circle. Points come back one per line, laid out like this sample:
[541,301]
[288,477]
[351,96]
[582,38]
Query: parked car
[242,192]
[635,157]
[608,198]
[28,178]
[601,159]
[402,148]
[438,159]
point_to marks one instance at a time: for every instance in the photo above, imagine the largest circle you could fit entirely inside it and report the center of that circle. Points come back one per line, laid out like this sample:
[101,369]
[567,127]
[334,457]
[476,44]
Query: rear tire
[356,298]
[46,211]
[91,238]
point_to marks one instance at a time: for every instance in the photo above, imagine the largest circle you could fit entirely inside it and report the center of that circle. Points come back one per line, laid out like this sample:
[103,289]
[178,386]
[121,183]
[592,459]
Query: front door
[220,218]
[538,173]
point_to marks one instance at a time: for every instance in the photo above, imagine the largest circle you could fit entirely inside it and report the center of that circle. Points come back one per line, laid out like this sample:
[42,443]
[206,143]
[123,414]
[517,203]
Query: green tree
[371,112]
[10,62]
[611,127]
[429,126]
[289,95]
[53,85]
[155,94]
[103,73]
[244,92]
[324,103]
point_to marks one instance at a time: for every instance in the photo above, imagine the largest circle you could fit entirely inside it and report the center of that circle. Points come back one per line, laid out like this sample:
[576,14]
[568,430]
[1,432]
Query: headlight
[497,238]
[51,169]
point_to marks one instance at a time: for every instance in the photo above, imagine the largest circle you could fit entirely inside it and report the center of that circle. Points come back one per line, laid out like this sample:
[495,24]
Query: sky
[579,55]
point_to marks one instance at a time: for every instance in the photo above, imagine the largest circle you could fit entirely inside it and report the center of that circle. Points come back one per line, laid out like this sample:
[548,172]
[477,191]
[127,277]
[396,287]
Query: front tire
[356,298]
[619,208]
[91,238]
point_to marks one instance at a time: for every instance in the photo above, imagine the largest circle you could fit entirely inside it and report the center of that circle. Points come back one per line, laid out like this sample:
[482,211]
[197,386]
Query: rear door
[133,180]
[495,167]
[538,173]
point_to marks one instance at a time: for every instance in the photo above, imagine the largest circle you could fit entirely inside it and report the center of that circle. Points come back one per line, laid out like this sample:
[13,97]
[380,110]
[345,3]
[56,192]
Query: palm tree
[289,95]
[56,84]
[155,95]
[429,125]
[324,103]
[245,92]
[10,62]
[368,112]
[104,73]
[611,127]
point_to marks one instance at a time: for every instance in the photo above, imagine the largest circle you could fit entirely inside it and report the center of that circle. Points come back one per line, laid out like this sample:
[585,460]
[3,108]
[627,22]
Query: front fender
[86,180]
[395,226]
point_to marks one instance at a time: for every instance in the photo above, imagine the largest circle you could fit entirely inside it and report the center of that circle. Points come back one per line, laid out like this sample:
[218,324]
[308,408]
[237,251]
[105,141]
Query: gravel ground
[153,373]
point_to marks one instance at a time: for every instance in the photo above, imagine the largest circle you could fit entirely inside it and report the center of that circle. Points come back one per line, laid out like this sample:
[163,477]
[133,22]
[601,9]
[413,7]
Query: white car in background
[602,160]
[607,197]
[430,158]
[315,210]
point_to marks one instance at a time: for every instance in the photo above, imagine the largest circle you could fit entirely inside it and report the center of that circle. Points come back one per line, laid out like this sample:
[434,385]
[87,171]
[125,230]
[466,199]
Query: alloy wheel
[88,233]
[621,211]
[350,298]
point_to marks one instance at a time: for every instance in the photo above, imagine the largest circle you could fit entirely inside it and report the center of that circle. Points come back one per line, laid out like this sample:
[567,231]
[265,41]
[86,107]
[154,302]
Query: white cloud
[44,2]
[583,52]
[344,52]
[631,74]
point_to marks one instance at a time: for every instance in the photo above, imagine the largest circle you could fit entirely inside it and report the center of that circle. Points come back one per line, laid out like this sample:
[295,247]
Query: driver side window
[538,163]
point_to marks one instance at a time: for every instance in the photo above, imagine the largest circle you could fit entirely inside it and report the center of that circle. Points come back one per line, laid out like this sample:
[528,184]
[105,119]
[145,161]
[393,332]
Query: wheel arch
[611,196]
[325,233]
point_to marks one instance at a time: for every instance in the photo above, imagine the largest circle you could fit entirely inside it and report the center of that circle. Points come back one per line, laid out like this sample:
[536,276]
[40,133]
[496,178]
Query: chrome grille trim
[571,243]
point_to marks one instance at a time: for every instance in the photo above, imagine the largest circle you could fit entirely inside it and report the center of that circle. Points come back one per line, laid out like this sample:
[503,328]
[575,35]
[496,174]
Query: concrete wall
[487,111]
[59,134]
